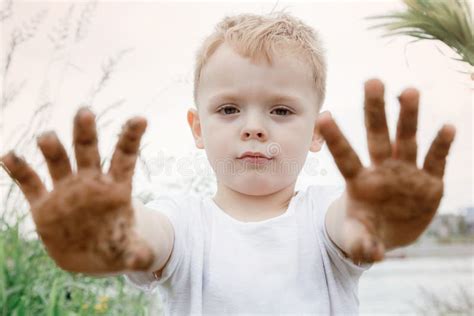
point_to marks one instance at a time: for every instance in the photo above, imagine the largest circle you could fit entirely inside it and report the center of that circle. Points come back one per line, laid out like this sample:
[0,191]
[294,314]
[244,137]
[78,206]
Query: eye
[228,109]
[282,111]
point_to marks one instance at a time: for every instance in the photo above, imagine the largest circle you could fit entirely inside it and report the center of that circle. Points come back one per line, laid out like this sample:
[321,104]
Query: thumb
[363,246]
[139,255]
[323,116]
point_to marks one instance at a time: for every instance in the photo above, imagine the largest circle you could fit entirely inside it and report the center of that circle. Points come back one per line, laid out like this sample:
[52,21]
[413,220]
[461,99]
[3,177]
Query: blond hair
[256,36]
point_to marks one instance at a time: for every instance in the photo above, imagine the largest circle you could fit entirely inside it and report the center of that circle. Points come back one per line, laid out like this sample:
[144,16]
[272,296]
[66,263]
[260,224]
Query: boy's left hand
[390,203]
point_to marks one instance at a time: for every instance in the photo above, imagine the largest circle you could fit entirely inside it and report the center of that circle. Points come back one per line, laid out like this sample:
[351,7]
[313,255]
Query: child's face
[269,109]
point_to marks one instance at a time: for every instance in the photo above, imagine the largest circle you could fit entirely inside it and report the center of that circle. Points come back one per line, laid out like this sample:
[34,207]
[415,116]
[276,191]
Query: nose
[253,130]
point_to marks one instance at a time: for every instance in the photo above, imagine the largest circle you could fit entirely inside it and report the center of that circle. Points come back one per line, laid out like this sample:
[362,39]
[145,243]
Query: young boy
[257,246]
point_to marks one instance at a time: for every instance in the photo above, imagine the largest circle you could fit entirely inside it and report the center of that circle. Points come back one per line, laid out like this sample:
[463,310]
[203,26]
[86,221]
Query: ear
[317,141]
[195,125]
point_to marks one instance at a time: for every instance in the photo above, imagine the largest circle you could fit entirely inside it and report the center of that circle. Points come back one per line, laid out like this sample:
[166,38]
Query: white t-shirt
[283,265]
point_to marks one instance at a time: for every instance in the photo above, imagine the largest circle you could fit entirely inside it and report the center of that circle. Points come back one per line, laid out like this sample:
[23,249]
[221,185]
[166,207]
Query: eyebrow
[234,97]
[285,98]
[231,97]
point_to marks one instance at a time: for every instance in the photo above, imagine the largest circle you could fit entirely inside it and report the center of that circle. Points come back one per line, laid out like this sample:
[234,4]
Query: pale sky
[153,77]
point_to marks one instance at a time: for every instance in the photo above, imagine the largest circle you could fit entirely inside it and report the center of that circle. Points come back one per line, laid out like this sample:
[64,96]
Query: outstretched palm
[86,222]
[391,202]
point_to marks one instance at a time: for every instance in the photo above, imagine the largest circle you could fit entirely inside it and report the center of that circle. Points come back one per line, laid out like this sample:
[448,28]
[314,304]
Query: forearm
[334,220]
[157,232]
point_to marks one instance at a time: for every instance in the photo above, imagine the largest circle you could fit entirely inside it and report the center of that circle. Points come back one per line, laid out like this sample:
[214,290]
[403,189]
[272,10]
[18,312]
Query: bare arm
[334,217]
[156,229]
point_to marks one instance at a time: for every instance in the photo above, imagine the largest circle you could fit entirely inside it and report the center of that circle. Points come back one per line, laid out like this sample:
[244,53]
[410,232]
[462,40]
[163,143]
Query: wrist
[156,230]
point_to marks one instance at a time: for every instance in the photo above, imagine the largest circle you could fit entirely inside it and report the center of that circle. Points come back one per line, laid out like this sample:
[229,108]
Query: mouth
[255,158]
[259,161]
[253,154]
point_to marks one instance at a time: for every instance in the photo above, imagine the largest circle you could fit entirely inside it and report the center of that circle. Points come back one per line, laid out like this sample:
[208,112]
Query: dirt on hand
[87,221]
[391,202]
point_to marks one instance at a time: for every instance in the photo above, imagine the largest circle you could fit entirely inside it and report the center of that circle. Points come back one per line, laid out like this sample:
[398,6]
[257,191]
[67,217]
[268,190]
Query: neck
[249,208]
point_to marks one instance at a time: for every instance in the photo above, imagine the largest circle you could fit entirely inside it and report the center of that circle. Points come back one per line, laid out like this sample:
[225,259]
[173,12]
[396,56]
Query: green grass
[31,284]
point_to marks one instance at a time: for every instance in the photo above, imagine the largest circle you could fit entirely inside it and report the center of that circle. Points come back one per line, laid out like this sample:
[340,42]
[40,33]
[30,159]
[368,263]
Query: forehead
[227,72]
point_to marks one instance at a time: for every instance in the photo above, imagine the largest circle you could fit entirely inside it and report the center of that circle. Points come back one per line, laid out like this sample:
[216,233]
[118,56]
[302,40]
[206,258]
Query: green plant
[448,21]
[31,284]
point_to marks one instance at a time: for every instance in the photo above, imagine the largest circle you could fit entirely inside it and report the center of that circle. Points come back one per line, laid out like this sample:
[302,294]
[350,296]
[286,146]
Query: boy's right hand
[87,221]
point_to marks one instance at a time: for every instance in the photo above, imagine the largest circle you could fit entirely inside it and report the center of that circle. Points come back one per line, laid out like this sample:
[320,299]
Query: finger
[85,140]
[345,157]
[28,180]
[317,141]
[406,148]
[435,159]
[126,151]
[139,256]
[378,139]
[55,156]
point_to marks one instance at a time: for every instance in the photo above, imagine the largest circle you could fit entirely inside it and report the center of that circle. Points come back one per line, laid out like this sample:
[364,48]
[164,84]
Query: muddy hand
[390,203]
[86,222]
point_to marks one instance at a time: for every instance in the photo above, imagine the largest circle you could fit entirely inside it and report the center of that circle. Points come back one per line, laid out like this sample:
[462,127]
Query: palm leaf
[448,21]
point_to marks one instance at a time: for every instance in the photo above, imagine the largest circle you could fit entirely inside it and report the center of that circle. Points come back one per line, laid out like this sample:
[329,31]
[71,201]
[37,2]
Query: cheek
[217,139]
[295,140]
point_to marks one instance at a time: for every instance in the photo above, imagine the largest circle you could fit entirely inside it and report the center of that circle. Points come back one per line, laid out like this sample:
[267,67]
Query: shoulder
[176,200]
[324,189]
[178,207]
[322,194]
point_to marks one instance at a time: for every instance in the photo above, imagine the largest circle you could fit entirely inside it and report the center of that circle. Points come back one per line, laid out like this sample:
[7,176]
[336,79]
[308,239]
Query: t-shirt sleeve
[172,207]
[323,197]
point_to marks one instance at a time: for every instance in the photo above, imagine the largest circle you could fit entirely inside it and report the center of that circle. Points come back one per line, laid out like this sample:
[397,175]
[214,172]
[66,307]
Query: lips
[251,154]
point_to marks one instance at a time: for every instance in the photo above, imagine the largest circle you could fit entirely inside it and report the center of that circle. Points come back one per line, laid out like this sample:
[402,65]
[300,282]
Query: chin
[262,185]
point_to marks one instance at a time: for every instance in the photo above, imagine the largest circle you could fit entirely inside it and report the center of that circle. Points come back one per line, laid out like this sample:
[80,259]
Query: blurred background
[126,58]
